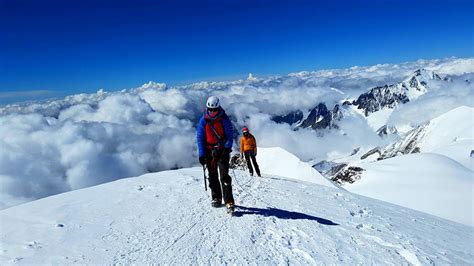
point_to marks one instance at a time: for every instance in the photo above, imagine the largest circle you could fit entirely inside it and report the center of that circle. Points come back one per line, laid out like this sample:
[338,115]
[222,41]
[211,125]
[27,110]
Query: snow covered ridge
[277,221]
[277,161]
[88,139]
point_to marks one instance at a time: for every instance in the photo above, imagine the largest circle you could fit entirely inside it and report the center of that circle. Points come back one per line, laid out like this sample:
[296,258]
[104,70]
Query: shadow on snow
[280,214]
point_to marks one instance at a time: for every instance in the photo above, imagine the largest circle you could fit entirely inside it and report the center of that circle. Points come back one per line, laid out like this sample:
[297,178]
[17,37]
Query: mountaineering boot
[216,202]
[230,208]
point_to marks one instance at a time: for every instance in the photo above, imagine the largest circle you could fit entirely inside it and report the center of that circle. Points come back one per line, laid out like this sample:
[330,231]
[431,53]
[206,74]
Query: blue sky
[57,48]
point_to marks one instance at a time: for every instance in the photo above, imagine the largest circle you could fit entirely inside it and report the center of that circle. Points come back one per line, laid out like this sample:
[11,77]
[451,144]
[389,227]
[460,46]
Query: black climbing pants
[217,161]
[250,156]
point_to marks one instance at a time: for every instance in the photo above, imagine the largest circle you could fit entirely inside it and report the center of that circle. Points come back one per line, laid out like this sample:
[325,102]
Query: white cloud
[437,101]
[453,67]
[85,146]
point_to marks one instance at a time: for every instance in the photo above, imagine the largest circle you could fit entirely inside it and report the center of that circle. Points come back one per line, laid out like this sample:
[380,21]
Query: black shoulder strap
[215,132]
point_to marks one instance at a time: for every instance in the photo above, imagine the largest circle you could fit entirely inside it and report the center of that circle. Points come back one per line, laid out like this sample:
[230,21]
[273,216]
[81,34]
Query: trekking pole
[204,171]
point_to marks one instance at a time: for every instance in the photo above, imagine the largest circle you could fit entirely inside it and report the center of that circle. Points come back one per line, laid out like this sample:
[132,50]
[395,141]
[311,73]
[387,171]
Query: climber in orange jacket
[248,148]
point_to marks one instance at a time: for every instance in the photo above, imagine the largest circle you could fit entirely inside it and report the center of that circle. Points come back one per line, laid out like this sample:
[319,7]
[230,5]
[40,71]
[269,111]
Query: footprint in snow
[365,212]
[340,196]
[366,226]
[34,245]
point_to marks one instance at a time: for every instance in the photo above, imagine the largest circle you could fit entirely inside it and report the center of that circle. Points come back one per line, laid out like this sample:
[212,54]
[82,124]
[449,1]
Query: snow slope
[452,134]
[143,220]
[378,119]
[427,182]
[277,161]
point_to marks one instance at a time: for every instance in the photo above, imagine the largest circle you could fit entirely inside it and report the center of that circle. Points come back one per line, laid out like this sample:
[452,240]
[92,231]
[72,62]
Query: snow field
[427,182]
[166,218]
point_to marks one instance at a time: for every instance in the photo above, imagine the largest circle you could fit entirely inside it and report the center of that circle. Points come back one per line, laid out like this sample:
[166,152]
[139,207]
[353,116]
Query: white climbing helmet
[213,102]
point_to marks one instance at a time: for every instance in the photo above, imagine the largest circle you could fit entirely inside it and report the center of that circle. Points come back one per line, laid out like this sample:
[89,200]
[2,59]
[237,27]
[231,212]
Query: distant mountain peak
[153,85]
[251,77]
[426,74]
[321,117]
[389,96]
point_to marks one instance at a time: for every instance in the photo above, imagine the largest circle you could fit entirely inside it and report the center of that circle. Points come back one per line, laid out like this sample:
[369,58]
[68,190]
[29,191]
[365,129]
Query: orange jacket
[248,143]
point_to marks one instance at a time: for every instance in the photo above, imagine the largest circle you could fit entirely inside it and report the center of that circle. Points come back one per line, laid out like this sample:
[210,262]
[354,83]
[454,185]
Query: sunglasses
[212,109]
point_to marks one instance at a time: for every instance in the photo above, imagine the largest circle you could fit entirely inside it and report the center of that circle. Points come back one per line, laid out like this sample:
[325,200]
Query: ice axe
[204,172]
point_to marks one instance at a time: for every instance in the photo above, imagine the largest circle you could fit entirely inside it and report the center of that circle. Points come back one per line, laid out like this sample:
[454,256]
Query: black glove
[202,160]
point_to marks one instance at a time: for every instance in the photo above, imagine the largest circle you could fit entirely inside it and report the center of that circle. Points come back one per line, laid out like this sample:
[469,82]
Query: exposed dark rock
[346,103]
[406,145]
[387,130]
[372,151]
[290,118]
[423,72]
[355,151]
[336,113]
[320,117]
[236,162]
[378,98]
[328,169]
[348,175]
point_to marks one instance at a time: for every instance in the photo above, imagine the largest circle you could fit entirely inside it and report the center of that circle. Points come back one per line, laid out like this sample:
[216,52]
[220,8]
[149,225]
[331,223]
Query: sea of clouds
[88,139]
